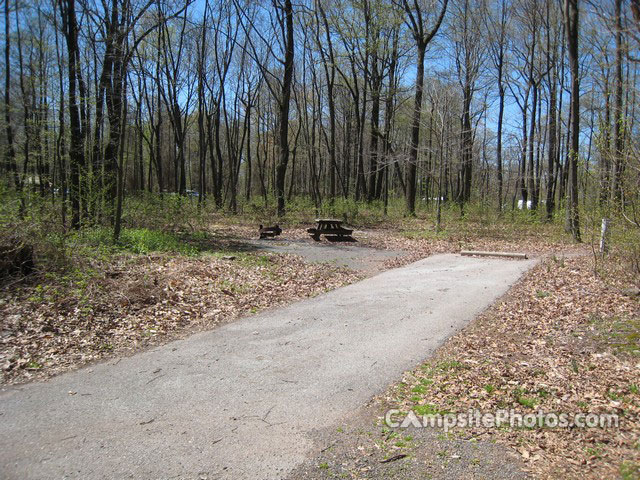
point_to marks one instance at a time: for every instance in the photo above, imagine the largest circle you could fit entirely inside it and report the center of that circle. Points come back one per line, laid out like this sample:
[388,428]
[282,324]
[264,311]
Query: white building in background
[521,203]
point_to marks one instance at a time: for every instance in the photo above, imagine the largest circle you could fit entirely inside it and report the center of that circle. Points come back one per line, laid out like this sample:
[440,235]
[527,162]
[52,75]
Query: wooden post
[604,236]
[471,253]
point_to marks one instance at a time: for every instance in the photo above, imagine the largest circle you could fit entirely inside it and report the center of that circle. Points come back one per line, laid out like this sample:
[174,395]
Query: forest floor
[565,339]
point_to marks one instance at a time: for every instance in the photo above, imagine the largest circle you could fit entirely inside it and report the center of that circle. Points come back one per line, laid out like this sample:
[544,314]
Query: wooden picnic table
[329,226]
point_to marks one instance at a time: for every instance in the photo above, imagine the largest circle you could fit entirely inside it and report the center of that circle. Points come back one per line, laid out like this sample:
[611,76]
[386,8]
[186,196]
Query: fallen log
[472,253]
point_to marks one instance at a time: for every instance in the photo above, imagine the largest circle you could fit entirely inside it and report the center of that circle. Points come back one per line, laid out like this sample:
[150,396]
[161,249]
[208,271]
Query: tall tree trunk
[522,178]
[10,153]
[330,74]
[410,197]
[422,39]
[76,148]
[501,94]
[376,85]
[248,172]
[571,23]
[467,146]
[531,174]
[552,153]
[283,136]
[605,147]
[618,118]
[388,119]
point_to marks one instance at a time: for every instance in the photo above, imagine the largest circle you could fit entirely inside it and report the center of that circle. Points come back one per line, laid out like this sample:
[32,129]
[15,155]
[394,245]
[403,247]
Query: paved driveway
[239,401]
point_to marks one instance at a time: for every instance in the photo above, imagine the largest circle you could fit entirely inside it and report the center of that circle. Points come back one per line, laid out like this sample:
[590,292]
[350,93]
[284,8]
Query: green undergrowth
[182,225]
[136,240]
[620,333]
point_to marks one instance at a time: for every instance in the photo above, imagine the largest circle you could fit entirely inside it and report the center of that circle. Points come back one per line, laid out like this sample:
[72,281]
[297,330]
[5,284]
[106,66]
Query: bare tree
[76,149]
[618,112]
[571,14]
[469,58]
[497,26]
[10,154]
[417,16]
[285,20]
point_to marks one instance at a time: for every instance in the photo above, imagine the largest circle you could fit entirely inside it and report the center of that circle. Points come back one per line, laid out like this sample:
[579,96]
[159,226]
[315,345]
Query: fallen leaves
[573,349]
[144,300]
[424,243]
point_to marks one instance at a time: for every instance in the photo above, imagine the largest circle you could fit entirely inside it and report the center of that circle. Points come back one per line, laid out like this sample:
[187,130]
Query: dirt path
[363,448]
[243,401]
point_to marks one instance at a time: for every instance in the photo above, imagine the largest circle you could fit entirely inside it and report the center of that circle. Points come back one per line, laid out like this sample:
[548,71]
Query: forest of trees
[501,102]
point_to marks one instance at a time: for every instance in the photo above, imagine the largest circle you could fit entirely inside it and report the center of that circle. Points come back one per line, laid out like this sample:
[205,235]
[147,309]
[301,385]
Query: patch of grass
[232,288]
[622,335]
[559,261]
[633,388]
[426,234]
[542,294]
[450,365]
[427,369]
[419,389]
[70,285]
[489,389]
[427,409]
[33,365]
[527,402]
[595,452]
[613,395]
[136,240]
[542,393]
[252,260]
[629,471]
[142,240]
[392,435]
[574,365]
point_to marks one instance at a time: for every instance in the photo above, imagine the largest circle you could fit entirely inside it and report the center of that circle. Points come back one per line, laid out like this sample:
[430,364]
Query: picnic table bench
[328,226]
[269,232]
